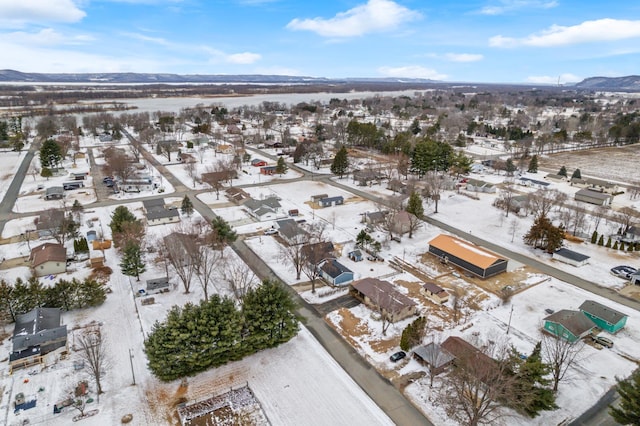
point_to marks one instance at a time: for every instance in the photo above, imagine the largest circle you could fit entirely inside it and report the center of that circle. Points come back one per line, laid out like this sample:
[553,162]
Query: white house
[48,259]
[158,214]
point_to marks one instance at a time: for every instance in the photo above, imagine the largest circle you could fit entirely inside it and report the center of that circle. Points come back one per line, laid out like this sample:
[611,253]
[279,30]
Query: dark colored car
[397,356]
[623,271]
[107,178]
[109,183]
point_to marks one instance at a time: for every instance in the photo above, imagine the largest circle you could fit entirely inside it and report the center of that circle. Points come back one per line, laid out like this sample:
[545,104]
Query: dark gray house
[54,193]
[571,257]
[331,201]
[36,333]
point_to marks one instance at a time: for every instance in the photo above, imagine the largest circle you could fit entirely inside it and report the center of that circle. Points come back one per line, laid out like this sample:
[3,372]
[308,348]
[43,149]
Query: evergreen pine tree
[563,171]
[630,247]
[269,316]
[340,162]
[281,166]
[91,293]
[576,174]
[608,245]
[628,413]
[510,167]
[533,165]
[223,233]
[120,216]
[594,237]
[187,206]
[132,263]
[615,245]
[601,240]
[414,205]
[532,389]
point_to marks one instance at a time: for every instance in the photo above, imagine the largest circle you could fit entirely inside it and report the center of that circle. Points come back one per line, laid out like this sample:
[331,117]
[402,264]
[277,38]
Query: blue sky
[515,41]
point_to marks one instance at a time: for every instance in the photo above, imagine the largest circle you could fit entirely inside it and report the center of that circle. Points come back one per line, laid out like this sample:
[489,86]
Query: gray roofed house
[331,201]
[317,252]
[266,209]
[604,317]
[571,257]
[54,193]
[382,295]
[568,325]
[157,213]
[434,356]
[593,197]
[335,273]
[36,333]
[291,231]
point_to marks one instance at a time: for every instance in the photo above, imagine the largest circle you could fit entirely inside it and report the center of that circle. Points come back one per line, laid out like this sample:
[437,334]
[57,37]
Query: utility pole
[132,373]
[510,314]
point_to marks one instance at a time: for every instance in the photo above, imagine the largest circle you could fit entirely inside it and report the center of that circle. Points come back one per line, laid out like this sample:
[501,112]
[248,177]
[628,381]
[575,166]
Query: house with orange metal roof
[468,256]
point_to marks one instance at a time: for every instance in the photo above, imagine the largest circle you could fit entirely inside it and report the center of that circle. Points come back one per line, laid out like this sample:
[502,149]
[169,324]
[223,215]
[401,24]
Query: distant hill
[628,83]
[17,76]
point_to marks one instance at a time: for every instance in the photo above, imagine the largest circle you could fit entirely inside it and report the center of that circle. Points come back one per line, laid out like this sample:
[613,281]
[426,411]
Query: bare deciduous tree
[291,252]
[92,346]
[179,248]
[239,277]
[435,184]
[561,355]
[543,201]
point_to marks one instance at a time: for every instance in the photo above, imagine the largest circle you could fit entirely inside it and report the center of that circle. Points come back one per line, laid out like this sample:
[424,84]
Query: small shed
[268,170]
[356,255]
[158,285]
[257,162]
[571,257]
[92,235]
[318,197]
[435,293]
[604,317]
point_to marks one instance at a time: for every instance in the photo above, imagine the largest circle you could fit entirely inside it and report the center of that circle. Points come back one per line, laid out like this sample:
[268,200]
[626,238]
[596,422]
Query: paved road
[14,188]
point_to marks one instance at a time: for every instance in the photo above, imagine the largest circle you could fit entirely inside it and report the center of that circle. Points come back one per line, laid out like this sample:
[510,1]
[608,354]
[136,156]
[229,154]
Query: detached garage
[571,257]
[468,256]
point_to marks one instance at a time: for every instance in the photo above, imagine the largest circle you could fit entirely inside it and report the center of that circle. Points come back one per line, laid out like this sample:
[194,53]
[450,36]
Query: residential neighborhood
[439,251]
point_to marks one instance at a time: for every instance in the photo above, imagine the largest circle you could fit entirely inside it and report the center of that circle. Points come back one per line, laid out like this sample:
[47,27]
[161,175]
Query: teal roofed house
[568,325]
[604,317]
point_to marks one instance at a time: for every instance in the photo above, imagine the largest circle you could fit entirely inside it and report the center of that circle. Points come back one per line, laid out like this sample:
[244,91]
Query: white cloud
[17,12]
[411,71]
[563,78]
[505,6]
[586,32]
[243,58]
[45,37]
[374,16]
[463,57]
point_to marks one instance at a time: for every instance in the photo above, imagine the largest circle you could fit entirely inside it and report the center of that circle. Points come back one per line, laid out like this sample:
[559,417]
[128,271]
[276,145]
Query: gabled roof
[574,321]
[271,202]
[54,190]
[48,252]
[601,311]
[433,288]
[289,229]
[333,268]
[586,192]
[465,250]
[383,293]
[570,254]
[37,320]
[316,252]
[471,358]
[433,354]
[331,199]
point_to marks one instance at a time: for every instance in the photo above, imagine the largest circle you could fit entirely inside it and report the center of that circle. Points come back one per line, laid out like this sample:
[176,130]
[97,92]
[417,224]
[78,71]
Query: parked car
[398,356]
[107,178]
[549,311]
[623,271]
[109,183]
[271,231]
[603,341]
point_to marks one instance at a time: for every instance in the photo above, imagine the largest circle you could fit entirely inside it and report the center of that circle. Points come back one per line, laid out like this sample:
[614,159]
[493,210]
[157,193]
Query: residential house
[48,259]
[568,325]
[356,255]
[331,201]
[556,178]
[49,222]
[35,334]
[597,185]
[158,285]
[215,179]
[263,210]
[158,213]
[401,223]
[475,185]
[367,177]
[237,195]
[434,357]
[470,358]
[605,318]
[335,273]
[533,183]
[434,292]
[476,260]
[186,158]
[225,148]
[268,170]
[374,218]
[291,232]
[257,162]
[54,193]
[632,235]
[593,197]
[571,257]
[315,253]
[105,138]
[181,247]
[232,129]
[382,296]
[79,175]
[397,185]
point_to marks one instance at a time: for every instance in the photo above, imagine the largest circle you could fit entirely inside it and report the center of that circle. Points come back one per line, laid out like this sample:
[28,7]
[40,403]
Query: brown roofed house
[382,296]
[48,259]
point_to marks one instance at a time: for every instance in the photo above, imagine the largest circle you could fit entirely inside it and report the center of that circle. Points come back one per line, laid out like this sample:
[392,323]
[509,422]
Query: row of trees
[21,297]
[194,338]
